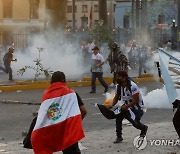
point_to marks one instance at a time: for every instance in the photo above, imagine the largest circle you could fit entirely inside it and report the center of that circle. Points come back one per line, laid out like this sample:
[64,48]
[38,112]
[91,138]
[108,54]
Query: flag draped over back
[59,120]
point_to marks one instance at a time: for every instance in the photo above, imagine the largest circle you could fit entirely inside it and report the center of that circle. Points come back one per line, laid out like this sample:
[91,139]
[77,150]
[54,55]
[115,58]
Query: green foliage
[100,35]
[162,7]
[38,68]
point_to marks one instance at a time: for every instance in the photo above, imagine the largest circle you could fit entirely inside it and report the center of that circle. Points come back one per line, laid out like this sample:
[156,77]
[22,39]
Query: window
[114,7]
[84,8]
[126,21]
[161,19]
[34,9]
[96,8]
[84,21]
[69,9]
[7,8]
[96,22]
[69,23]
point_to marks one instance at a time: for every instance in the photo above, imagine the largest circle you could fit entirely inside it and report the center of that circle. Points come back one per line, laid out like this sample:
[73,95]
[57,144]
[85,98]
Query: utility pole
[144,21]
[73,15]
[138,20]
[133,14]
[178,27]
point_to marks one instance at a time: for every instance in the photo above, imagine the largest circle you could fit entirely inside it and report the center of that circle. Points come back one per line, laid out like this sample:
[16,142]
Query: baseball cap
[95,48]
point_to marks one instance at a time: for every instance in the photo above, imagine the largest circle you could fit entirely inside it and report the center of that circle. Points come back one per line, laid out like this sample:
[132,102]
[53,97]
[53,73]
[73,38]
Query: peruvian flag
[59,120]
[90,18]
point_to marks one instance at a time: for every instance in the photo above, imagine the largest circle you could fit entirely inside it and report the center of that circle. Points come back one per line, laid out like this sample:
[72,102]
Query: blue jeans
[125,114]
[98,75]
[7,69]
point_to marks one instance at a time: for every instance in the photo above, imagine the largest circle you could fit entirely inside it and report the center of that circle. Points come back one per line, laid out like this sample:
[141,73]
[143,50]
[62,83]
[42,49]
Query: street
[16,118]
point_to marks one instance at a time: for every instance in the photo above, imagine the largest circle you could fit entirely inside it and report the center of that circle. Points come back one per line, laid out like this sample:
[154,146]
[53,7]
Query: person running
[8,57]
[97,71]
[132,110]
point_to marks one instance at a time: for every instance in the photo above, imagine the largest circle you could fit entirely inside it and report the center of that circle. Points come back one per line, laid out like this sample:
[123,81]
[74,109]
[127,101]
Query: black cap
[95,48]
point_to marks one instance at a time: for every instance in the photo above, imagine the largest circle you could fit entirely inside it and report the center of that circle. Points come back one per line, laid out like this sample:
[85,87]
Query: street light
[173,23]
[108,20]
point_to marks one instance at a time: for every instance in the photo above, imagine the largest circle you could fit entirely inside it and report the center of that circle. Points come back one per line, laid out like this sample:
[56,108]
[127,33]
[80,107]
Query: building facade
[83,9]
[18,19]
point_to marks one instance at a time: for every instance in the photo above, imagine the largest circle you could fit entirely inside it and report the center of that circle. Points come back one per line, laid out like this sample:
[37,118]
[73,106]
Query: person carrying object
[131,109]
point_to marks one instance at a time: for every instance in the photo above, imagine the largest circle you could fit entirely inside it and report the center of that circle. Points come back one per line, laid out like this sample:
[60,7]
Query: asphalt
[101,142]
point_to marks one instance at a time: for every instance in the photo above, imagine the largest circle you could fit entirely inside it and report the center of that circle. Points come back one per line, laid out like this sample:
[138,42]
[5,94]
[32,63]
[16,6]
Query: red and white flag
[90,19]
[59,120]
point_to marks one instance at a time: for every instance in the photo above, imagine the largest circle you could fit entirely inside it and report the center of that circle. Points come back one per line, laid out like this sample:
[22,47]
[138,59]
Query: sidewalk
[101,142]
[84,80]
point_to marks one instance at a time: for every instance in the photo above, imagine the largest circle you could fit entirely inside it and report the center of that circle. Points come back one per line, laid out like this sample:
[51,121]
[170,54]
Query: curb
[86,81]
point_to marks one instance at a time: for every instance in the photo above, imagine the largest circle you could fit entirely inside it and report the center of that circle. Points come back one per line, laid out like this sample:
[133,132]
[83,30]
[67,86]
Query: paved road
[15,118]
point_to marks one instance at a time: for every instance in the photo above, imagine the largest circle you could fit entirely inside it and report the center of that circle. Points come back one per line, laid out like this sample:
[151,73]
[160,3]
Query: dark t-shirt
[80,102]
[7,58]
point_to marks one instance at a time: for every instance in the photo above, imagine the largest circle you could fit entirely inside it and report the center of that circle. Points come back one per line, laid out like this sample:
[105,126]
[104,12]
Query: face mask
[119,81]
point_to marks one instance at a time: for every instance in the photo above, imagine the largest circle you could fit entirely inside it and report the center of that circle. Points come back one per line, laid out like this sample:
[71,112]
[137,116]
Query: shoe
[11,80]
[92,92]
[112,85]
[106,90]
[143,132]
[118,140]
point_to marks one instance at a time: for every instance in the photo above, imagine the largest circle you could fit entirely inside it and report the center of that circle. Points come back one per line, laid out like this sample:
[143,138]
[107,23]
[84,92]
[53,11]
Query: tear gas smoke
[58,55]
[155,99]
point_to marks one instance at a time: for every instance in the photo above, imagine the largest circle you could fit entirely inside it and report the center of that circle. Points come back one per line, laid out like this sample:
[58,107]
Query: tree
[162,7]
[57,12]
[103,11]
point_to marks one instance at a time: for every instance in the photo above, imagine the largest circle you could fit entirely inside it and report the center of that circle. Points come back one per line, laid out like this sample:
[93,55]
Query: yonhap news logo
[140,143]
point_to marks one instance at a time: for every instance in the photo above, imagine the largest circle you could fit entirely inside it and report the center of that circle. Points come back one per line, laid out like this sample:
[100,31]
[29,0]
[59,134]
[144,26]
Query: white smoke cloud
[58,55]
[157,99]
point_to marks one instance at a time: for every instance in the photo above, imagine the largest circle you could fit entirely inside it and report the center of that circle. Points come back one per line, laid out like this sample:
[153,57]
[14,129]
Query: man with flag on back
[59,121]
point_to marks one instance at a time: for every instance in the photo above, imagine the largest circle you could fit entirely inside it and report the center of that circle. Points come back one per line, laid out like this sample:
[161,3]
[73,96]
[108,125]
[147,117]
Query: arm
[102,61]
[83,111]
[100,64]
[115,100]
[81,106]
[14,60]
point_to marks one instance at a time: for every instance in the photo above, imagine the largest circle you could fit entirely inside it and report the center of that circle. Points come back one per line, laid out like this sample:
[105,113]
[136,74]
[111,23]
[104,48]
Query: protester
[132,110]
[59,121]
[176,123]
[142,55]
[117,61]
[8,57]
[97,71]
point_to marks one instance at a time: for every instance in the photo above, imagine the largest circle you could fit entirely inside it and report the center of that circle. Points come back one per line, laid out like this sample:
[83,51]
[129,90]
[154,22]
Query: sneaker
[143,132]
[112,85]
[92,92]
[106,90]
[118,140]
